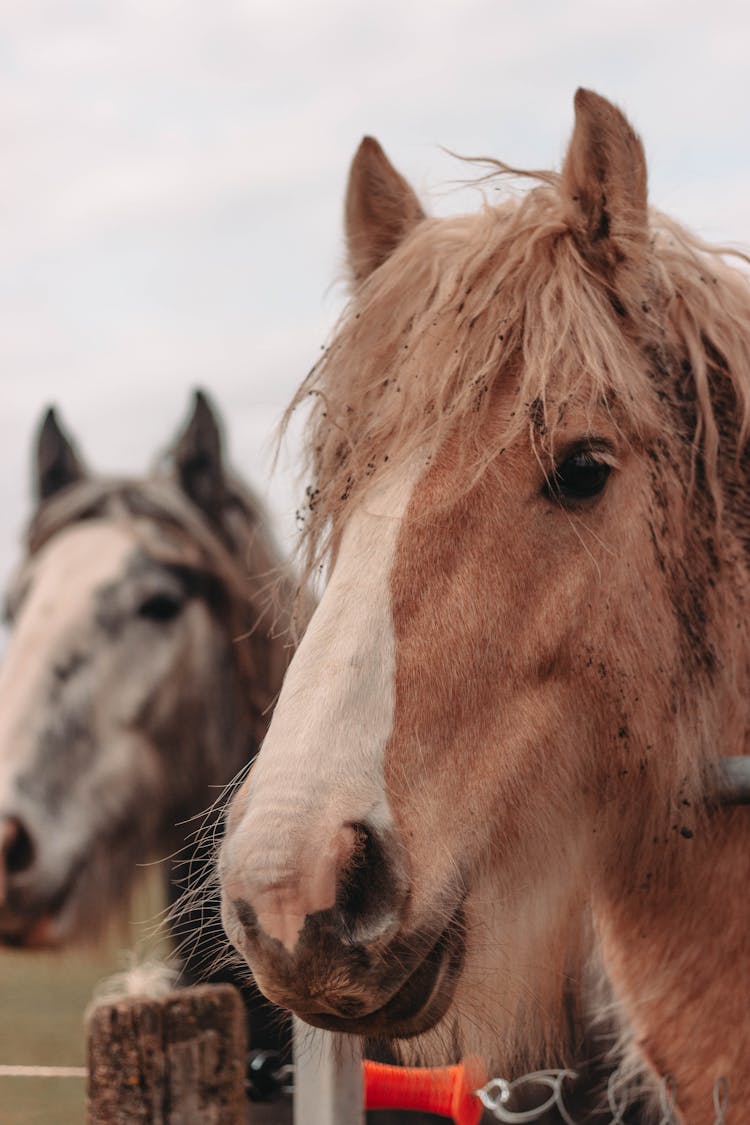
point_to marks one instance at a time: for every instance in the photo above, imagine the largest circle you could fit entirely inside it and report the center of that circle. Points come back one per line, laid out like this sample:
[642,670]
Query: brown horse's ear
[198,458]
[57,462]
[381,209]
[604,186]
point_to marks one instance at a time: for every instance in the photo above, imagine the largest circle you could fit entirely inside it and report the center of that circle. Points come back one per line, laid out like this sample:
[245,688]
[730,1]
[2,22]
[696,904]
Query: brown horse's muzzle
[354,965]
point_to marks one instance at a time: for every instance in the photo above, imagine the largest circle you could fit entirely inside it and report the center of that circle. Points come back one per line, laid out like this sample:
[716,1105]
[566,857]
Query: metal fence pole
[327,1078]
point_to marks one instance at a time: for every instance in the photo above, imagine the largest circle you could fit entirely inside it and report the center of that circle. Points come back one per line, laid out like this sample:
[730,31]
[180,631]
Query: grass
[43,997]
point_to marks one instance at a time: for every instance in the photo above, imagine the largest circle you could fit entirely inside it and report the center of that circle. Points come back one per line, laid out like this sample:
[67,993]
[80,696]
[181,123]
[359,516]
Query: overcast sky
[173,174]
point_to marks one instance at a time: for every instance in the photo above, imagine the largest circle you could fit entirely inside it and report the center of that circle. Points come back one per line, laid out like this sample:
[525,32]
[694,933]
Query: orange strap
[447,1091]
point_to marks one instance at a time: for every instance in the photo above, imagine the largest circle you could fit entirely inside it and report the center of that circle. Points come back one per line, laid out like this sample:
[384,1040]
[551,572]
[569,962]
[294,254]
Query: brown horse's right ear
[604,187]
[381,209]
[57,462]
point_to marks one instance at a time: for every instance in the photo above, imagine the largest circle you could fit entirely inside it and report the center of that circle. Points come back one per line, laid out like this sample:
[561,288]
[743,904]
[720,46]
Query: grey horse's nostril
[16,847]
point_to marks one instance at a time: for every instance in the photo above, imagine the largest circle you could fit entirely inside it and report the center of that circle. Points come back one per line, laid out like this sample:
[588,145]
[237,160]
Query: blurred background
[170,215]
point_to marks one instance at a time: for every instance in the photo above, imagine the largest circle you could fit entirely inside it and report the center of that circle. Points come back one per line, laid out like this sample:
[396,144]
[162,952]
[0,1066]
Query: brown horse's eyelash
[600,448]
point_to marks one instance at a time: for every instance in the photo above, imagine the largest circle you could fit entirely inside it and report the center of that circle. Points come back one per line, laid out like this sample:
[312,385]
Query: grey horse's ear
[604,188]
[381,209]
[57,462]
[198,458]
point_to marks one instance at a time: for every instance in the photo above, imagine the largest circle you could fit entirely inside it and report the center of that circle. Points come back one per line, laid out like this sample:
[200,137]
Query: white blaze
[321,765]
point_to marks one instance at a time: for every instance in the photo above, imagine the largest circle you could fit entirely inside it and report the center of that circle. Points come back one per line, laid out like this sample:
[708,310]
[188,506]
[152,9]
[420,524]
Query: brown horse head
[491,754]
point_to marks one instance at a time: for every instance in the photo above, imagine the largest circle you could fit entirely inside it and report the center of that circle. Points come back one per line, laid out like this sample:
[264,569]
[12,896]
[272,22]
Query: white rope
[43,1072]
[497,1093]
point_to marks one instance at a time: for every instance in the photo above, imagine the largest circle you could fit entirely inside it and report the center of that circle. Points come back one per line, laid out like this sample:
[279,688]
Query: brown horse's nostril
[371,888]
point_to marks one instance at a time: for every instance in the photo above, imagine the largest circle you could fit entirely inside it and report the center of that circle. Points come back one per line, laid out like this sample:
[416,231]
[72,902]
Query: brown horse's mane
[238,553]
[464,301]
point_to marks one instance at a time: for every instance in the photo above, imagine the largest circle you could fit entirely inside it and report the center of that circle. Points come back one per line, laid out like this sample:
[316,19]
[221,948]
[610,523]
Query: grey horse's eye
[160,607]
[582,476]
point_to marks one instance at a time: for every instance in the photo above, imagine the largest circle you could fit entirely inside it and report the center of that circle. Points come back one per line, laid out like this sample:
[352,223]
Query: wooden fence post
[176,1060]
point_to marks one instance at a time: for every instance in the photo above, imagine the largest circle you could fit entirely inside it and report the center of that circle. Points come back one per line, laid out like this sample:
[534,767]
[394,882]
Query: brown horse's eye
[160,607]
[582,476]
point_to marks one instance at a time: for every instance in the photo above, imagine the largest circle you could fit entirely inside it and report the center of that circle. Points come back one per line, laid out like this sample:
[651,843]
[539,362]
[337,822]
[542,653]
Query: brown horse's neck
[678,958]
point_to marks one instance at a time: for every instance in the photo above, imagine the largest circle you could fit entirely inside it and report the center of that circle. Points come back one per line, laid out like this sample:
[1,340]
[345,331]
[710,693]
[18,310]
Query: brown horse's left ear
[381,209]
[604,186]
[198,458]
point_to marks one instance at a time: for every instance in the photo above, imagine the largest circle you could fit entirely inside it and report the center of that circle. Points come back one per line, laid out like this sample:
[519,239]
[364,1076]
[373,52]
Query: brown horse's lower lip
[419,1003]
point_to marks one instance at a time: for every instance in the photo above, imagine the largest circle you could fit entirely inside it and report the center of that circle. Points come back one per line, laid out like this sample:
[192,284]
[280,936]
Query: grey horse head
[146,650]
